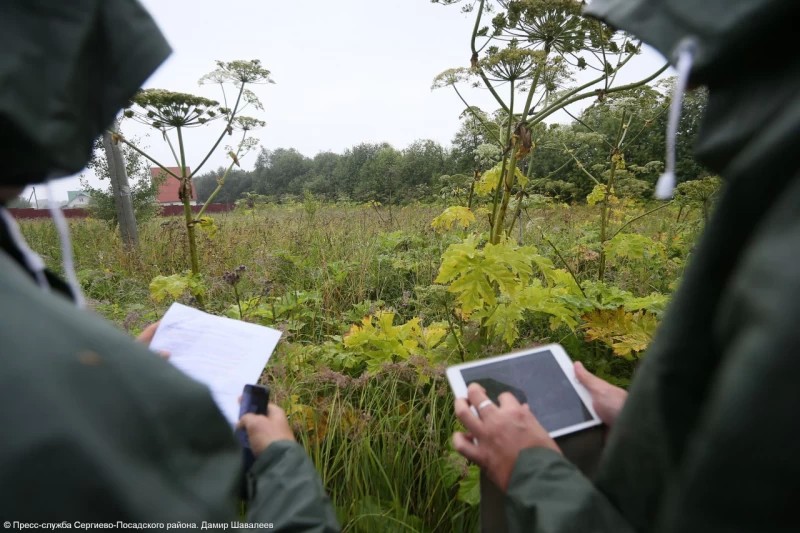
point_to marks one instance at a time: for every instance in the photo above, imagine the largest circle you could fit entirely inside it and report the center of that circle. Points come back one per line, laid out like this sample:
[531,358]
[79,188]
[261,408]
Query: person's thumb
[587,379]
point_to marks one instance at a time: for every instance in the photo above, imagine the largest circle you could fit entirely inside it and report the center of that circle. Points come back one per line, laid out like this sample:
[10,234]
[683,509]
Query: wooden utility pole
[35,198]
[121,189]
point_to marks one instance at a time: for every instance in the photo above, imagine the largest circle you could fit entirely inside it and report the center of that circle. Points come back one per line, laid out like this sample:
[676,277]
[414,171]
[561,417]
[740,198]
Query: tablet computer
[543,377]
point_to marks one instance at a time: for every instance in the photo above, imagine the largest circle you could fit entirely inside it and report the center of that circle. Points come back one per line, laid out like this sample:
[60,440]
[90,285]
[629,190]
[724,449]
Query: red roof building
[168,190]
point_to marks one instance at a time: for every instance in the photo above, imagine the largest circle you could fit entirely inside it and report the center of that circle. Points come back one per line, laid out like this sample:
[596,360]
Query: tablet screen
[537,379]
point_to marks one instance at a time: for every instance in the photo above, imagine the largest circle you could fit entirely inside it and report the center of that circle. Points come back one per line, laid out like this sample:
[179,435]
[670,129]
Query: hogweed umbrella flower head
[240,73]
[511,63]
[552,25]
[165,110]
[244,123]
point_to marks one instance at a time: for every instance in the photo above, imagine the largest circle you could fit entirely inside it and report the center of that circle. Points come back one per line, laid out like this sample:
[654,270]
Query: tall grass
[380,441]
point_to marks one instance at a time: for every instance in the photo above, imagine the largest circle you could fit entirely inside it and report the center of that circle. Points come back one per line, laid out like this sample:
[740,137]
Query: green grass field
[376,415]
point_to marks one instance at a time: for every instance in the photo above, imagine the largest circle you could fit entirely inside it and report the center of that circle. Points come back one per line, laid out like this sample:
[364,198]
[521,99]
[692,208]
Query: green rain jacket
[709,439]
[95,428]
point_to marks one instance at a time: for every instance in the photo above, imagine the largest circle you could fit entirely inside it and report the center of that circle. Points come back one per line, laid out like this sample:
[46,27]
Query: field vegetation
[369,324]
[382,265]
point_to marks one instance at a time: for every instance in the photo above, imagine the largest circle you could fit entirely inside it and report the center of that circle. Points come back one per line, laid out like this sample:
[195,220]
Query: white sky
[346,72]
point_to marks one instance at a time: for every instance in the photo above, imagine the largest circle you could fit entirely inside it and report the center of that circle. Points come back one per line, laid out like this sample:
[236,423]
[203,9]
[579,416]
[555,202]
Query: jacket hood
[66,69]
[742,53]
[729,35]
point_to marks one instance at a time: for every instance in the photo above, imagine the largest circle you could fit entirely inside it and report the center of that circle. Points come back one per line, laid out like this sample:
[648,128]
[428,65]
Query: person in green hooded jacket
[708,438]
[96,428]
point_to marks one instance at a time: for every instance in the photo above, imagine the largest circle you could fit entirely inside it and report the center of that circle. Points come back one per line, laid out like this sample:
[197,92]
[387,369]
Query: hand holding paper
[222,353]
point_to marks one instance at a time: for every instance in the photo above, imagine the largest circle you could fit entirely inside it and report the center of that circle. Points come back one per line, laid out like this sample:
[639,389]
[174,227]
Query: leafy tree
[560,146]
[20,203]
[700,193]
[348,172]
[379,177]
[422,162]
[692,110]
[476,129]
[236,185]
[144,190]
[322,175]
[280,171]
[568,151]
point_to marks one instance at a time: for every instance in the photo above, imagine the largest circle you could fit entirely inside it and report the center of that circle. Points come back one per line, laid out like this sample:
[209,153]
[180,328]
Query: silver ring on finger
[485,403]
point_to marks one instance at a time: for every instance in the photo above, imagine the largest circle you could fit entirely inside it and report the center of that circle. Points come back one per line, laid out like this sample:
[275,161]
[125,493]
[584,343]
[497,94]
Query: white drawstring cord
[685,52]
[66,247]
[32,260]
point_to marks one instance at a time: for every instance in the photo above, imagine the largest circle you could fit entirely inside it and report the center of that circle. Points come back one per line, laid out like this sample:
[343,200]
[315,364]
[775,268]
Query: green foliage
[236,186]
[491,180]
[469,489]
[556,189]
[143,188]
[597,195]
[20,202]
[297,313]
[700,193]
[632,188]
[207,224]
[369,325]
[635,247]
[454,215]
[628,334]
[495,285]
[381,443]
[377,341]
[143,197]
[175,286]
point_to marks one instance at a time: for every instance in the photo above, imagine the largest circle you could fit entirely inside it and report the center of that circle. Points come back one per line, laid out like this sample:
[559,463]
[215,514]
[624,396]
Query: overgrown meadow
[375,301]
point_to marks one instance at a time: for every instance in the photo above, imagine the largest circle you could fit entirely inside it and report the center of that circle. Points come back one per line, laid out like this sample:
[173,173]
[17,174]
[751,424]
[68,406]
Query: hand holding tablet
[542,377]
[497,398]
[496,437]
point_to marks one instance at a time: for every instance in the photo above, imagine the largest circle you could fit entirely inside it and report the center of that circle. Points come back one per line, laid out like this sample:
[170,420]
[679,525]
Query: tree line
[562,158]
[366,172]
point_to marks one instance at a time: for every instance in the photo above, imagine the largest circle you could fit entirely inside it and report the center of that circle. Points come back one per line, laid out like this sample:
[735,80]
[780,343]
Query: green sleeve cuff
[547,493]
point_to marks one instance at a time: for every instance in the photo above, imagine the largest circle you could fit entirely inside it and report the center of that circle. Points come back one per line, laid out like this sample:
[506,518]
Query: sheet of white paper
[222,353]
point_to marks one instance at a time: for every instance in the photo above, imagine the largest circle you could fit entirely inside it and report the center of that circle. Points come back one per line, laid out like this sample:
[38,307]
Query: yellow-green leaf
[173,286]
[626,333]
[456,214]
[489,181]
[207,224]
[598,194]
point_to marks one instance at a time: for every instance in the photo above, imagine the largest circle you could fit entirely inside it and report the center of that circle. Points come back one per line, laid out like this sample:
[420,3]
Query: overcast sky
[346,72]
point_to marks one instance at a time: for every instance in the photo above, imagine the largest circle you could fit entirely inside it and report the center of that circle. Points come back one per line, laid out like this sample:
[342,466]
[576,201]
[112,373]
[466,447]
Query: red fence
[166,211]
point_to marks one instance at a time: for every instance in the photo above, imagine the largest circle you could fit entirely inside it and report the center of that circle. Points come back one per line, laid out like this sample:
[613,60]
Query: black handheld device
[254,400]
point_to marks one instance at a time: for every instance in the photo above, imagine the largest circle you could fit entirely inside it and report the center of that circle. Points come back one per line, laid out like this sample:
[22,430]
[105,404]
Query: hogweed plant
[528,57]
[532,50]
[172,113]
